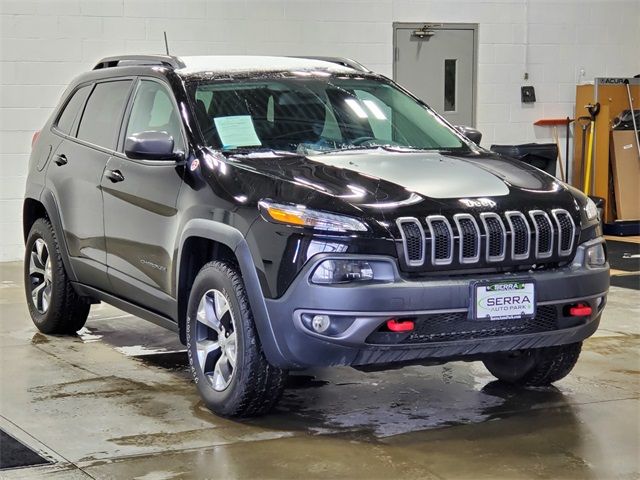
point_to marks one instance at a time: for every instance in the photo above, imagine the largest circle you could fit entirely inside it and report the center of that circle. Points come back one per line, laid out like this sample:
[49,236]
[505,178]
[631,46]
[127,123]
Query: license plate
[503,300]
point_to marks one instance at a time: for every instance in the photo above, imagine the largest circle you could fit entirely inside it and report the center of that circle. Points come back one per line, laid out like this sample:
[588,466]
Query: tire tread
[536,367]
[553,365]
[71,310]
[264,384]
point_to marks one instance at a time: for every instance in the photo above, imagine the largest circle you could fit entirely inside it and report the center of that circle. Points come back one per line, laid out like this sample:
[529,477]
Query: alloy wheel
[216,339]
[41,276]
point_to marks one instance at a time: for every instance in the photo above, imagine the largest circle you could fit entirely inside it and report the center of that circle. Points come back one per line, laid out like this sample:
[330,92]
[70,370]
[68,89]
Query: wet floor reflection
[382,404]
[344,401]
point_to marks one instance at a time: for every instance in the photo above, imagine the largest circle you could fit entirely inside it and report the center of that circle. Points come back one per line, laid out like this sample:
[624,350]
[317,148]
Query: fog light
[342,271]
[320,323]
[595,256]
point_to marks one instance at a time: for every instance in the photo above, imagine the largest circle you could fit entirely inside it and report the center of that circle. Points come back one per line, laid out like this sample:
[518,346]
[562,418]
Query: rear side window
[71,109]
[101,117]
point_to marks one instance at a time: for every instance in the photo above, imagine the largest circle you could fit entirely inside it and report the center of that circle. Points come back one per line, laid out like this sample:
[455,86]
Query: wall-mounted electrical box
[528,94]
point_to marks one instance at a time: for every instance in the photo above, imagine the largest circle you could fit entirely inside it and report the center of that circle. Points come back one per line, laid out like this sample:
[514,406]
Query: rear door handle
[114,175]
[61,160]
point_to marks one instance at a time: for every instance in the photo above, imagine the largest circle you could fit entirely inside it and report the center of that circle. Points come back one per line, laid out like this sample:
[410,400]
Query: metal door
[437,63]
[140,216]
[74,178]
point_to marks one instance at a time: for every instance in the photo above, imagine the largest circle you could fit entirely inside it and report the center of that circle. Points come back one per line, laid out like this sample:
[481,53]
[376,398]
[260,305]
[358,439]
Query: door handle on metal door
[61,160]
[114,175]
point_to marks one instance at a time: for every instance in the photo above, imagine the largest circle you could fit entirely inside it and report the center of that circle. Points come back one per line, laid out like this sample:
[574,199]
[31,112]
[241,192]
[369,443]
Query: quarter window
[101,118]
[154,111]
[71,109]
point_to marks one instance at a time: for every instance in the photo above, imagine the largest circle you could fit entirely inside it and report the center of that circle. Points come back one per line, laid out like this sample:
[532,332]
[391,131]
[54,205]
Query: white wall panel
[45,43]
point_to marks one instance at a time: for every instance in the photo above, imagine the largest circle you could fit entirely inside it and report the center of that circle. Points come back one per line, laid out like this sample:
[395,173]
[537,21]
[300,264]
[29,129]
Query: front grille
[565,226]
[441,240]
[469,233]
[515,237]
[520,235]
[446,327]
[413,240]
[544,233]
[496,236]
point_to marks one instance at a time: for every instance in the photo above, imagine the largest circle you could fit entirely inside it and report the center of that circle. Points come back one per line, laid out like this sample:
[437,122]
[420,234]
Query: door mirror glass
[151,146]
[471,133]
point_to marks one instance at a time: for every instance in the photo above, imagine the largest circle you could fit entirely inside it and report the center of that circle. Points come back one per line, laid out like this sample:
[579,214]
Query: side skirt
[127,306]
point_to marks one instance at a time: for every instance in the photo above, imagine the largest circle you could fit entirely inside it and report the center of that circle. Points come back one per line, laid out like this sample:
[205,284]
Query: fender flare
[48,200]
[235,240]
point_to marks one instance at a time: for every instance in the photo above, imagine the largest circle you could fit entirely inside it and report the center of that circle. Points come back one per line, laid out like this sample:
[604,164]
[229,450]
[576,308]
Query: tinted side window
[153,111]
[102,114]
[71,109]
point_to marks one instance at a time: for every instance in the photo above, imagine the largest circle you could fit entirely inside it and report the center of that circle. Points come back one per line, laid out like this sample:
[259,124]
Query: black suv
[281,213]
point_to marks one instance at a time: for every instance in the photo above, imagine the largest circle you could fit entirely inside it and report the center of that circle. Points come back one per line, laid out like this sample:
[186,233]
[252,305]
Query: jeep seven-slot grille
[489,238]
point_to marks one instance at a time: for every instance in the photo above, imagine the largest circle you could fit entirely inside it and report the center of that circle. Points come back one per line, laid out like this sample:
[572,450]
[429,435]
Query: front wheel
[225,355]
[535,367]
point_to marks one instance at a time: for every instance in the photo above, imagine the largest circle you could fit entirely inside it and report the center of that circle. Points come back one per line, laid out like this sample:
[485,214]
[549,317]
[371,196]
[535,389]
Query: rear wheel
[54,305]
[226,358]
[536,367]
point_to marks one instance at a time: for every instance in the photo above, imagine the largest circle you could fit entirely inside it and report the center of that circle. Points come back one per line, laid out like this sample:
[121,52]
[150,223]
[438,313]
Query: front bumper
[359,311]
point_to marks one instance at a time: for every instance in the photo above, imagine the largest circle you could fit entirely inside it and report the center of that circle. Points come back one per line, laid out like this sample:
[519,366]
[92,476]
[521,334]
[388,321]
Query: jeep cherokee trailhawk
[282,213]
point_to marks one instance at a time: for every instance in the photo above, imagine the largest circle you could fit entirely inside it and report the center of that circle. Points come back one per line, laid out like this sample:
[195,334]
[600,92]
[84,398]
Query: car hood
[392,183]
[431,175]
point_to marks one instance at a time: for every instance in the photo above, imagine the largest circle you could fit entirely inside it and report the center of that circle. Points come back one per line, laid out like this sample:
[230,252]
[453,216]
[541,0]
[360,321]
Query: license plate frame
[480,291]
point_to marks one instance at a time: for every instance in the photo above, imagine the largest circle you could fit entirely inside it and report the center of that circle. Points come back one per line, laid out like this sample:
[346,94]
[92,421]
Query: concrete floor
[115,402]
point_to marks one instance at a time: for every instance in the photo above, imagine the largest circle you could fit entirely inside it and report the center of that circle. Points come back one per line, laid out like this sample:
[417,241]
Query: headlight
[302,216]
[591,210]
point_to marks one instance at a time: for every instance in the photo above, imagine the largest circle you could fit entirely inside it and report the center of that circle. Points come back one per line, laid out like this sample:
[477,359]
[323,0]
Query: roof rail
[124,60]
[345,62]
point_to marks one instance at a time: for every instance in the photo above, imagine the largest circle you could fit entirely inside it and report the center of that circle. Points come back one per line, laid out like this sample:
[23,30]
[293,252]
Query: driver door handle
[61,160]
[114,175]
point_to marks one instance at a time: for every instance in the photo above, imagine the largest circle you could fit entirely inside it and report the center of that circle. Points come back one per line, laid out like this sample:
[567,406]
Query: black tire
[255,386]
[535,367]
[66,311]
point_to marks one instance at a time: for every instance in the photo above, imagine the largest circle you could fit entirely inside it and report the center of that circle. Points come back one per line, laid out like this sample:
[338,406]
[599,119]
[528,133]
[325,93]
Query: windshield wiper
[256,150]
[351,148]
[399,149]
[385,146]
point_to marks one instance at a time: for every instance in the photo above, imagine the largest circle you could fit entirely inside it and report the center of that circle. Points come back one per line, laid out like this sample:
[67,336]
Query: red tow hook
[398,326]
[580,310]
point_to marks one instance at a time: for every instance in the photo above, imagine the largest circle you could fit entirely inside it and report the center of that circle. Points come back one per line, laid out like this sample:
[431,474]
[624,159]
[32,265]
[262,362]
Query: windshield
[315,114]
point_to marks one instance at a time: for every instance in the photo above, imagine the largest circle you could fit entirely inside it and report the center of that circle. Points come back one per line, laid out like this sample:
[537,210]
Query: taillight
[35,138]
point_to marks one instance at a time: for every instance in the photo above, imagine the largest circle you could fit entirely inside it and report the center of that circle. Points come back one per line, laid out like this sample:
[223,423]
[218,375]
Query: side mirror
[151,146]
[471,133]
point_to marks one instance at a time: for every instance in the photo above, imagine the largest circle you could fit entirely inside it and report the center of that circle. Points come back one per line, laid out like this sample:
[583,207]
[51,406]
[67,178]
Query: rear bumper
[359,310]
